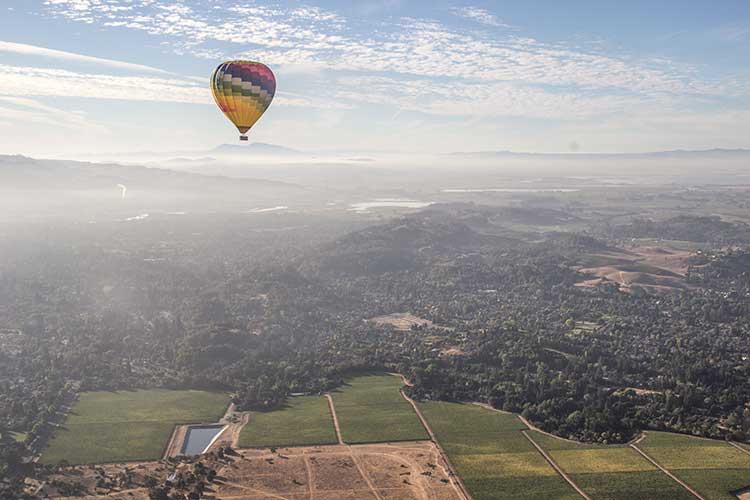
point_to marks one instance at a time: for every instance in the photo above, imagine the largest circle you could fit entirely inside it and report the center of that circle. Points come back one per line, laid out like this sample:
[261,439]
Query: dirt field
[337,472]
[402,321]
[663,257]
[656,269]
[403,471]
[125,480]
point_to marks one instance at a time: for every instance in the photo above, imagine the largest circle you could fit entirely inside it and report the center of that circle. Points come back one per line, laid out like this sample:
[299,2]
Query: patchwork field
[491,455]
[304,420]
[611,472]
[370,409]
[714,468]
[128,425]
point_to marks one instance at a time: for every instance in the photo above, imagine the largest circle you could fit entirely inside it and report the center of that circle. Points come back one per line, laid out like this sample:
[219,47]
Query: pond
[198,438]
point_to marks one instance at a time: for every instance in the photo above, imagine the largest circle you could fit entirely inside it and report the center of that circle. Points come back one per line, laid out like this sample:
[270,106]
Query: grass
[713,468]
[128,425]
[491,455]
[19,437]
[304,421]
[370,409]
[611,472]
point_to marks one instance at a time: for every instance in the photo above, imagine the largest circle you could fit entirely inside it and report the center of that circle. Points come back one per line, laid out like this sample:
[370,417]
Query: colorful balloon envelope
[243,90]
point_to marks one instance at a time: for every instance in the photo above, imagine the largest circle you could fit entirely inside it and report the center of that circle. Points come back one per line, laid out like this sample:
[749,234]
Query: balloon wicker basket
[243,137]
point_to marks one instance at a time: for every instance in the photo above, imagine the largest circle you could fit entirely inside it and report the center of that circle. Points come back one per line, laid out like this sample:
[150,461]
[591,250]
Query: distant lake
[199,437]
[137,217]
[270,209]
[510,190]
[388,203]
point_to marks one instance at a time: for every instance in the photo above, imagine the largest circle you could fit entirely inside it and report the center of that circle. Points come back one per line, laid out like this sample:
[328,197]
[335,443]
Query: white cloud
[20,109]
[423,65]
[484,100]
[32,50]
[31,81]
[307,36]
[479,15]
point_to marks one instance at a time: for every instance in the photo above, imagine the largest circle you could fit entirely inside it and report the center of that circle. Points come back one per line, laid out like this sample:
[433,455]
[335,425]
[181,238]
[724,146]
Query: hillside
[21,172]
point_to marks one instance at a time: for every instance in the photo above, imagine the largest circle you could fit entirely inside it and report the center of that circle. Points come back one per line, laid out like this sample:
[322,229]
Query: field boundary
[172,442]
[458,483]
[743,450]
[639,437]
[665,471]
[555,466]
[335,417]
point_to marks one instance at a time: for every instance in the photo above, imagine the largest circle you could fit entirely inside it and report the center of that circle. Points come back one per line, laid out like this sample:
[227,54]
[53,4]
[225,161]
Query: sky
[101,76]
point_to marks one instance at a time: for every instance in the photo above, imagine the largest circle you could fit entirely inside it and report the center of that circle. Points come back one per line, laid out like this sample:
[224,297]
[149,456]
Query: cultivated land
[129,425]
[371,409]
[611,472]
[713,468]
[491,454]
[303,421]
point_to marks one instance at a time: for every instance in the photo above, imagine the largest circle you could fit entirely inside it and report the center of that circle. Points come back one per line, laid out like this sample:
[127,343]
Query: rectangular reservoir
[199,437]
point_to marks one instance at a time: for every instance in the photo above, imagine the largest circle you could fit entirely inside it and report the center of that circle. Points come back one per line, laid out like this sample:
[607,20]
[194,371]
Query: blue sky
[97,76]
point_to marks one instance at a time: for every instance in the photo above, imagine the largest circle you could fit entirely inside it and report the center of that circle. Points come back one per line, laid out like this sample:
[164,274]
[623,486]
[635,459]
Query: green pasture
[713,468]
[303,421]
[370,409]
[128,425]
[491,455]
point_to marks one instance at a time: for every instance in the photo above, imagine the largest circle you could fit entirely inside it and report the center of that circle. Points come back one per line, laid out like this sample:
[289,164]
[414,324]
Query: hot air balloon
[243,90]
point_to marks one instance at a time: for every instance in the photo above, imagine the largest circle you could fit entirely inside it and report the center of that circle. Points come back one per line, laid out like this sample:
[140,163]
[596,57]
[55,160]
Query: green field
[713,468]
[611,472]
[304,420]
[129,425]
[491,454]
[371,409]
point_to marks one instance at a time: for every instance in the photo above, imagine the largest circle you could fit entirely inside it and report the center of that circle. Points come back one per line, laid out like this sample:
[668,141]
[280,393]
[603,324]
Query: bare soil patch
[655,269]
[378,471]
[402,471]
[663,257]
[118,481]
[402,322]
[640,392]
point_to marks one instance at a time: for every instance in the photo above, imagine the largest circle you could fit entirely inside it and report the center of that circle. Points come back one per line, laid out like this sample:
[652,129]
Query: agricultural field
[713,468]
[129,425]
[371,409]
[303,421]
[615,472]
[491,455]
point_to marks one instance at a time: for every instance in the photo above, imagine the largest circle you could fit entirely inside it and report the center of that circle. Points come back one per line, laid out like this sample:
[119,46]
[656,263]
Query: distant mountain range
[255,148]
[221,151]
[29,173]
[260,149]
[679,153]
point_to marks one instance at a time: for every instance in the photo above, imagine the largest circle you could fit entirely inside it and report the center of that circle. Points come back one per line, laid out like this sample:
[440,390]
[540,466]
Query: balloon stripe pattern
[243,90]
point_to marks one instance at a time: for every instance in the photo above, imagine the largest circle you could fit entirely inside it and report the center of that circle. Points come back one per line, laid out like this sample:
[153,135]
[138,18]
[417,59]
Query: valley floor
[389,448]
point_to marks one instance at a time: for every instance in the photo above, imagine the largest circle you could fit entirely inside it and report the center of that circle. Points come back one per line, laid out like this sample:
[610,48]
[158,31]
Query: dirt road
[335,418]
[456,480]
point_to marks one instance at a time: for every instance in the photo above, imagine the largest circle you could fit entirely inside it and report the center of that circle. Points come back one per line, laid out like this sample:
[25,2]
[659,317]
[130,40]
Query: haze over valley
[331,250]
